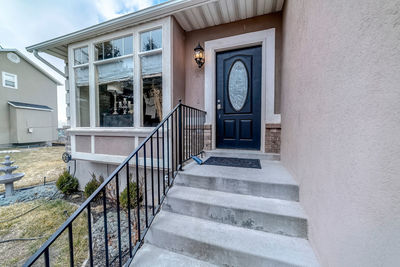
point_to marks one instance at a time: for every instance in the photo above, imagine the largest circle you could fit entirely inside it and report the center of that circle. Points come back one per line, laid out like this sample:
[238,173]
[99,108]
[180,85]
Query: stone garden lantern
[8,179]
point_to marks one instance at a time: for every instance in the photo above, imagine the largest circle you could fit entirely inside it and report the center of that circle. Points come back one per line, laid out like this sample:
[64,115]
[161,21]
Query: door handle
[219,106]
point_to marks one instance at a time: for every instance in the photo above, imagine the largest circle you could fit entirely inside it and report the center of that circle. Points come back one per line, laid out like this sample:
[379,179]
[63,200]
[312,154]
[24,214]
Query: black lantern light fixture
[199,55]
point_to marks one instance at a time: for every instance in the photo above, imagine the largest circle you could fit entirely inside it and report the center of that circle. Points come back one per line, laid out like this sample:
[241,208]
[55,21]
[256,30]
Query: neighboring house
[28,101]
[328,70]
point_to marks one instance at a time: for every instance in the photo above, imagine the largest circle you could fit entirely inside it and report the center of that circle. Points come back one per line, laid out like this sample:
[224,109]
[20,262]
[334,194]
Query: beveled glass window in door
[114,83]
[238,85]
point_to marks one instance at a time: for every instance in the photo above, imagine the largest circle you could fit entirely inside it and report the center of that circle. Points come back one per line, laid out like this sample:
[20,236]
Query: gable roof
[16,104]
[36,66]
[190,14]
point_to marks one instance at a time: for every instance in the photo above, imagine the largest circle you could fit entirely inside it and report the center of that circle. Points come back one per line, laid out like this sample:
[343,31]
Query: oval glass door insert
[238,85]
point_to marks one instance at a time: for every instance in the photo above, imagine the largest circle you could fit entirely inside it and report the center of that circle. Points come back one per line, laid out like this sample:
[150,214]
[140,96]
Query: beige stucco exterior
[34,88]
[341,123]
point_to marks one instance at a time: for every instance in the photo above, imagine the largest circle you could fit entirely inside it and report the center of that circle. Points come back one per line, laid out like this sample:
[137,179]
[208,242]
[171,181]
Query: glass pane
[151,64]
[98,50]
[85,55]
[156,36]
[115,94]
[152,101]
[117,48]
[128,45]
[77,56]
[238,85]
[82,97]
[145,41]
[108,50]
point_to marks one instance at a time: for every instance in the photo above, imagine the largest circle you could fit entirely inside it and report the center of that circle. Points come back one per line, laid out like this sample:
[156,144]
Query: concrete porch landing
[229,216]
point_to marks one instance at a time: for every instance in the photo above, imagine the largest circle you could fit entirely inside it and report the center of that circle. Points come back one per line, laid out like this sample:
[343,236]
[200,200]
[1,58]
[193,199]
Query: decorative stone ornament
[199,55]
[9,178]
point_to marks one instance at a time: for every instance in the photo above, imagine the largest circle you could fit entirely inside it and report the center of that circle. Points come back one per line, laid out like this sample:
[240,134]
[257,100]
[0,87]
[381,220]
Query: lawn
[40,223]
[37,163]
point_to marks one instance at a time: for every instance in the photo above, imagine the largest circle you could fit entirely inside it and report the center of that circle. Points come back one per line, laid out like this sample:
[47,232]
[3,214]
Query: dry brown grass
[37,163]
[41,222]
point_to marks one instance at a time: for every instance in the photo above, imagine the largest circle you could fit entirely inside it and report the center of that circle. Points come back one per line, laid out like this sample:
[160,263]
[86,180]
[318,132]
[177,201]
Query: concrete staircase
[227,216]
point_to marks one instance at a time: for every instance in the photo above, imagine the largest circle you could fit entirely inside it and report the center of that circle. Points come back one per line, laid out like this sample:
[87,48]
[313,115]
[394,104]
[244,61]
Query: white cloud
[110,9]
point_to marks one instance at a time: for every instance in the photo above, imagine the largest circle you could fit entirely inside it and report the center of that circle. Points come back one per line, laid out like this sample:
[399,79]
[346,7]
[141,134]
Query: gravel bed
[24,195]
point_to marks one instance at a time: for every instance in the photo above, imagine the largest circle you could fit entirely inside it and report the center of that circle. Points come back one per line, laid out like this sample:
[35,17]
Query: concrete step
[149,255]
[227,245]
[271,181]
[264,214]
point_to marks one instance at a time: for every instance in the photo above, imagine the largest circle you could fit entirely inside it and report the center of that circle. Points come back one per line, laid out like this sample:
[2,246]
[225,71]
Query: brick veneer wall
[272,138]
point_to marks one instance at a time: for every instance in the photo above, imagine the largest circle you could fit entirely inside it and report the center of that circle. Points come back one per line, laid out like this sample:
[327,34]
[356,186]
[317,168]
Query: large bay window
[151,73]
[114,82]
[81,71]
[118,79]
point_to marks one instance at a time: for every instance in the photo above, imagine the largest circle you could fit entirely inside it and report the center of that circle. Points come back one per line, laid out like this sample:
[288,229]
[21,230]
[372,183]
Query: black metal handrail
[181,134]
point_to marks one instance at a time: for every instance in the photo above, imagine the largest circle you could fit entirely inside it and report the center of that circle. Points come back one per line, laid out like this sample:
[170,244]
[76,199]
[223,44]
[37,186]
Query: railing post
[180,152]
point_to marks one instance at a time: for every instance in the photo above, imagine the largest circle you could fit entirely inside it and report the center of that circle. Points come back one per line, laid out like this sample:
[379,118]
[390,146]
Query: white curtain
[119,70]
[82,76]
[151,64]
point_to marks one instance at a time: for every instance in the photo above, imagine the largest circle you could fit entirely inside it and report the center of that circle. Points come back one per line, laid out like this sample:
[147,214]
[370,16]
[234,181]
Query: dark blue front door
[239,98]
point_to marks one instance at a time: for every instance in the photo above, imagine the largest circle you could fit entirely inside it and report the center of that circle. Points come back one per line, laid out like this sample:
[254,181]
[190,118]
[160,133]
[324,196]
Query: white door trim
[266,39]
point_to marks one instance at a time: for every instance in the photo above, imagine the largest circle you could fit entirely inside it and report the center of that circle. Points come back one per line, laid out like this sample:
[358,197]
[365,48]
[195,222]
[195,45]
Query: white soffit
[191,15]
[224,11]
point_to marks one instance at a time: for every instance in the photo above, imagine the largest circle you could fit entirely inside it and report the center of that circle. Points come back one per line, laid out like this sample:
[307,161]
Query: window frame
[3,77]
[166,25]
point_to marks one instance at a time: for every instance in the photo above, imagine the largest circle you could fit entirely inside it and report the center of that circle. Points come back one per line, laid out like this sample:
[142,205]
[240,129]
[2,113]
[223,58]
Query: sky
[27,22]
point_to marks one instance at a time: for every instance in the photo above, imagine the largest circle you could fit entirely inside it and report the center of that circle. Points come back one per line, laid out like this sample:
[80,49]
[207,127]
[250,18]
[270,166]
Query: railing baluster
[158,167]
[90,235]
[168,151]
[129,209]
[105,224]
[145,185]
[71,245]
[180,153]
[46,258]
[137,196]
[163,159]
[152,174]
[172,146]
[119,220]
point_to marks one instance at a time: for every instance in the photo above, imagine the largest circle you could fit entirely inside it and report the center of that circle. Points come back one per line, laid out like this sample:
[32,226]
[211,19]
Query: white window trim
[4,80]
[166,50]
[266,39]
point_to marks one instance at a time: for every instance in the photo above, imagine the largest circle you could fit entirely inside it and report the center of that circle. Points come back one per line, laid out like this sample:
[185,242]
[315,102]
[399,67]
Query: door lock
[219,106]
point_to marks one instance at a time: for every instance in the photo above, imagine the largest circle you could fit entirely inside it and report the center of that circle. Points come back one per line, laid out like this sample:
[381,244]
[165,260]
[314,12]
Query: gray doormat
[234,162]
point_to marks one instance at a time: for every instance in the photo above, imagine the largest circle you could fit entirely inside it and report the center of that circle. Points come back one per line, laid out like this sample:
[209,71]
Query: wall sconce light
[199,55]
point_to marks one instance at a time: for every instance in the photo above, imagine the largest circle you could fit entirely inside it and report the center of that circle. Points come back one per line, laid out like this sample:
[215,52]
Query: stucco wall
[341,125]
[194,82]
[33,87]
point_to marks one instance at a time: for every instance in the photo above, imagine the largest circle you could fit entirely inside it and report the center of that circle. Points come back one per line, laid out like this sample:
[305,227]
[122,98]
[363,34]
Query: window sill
[114,131]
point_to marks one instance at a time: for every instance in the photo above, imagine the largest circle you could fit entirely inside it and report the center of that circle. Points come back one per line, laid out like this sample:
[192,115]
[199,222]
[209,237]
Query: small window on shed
[9,80]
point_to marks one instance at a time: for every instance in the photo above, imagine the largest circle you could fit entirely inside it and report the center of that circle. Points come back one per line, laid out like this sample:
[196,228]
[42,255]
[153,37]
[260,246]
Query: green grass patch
[41,222]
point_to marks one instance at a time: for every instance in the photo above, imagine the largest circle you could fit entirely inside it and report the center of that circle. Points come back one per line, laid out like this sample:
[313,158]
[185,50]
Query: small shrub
[124,196]
[66,183]
[92,185]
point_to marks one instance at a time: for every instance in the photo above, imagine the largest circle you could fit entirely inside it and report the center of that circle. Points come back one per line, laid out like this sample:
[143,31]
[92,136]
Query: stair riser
[207,252]
[266,222]
[279,191]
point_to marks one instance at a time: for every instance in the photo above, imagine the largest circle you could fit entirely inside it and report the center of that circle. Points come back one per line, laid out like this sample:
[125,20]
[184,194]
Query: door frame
[266,39]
